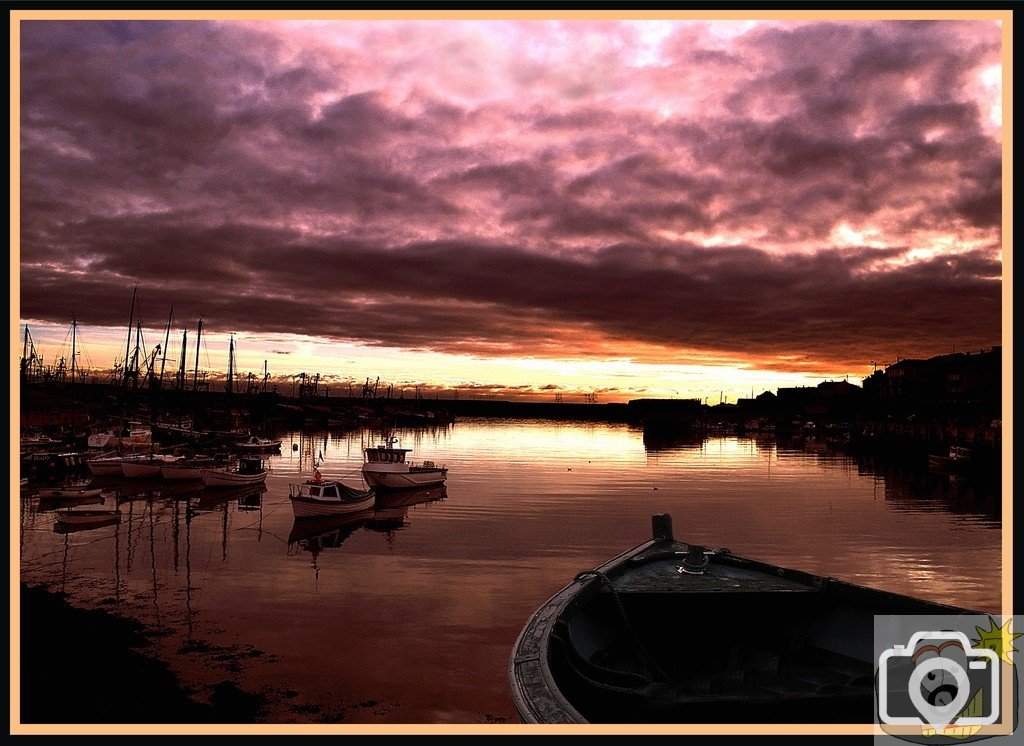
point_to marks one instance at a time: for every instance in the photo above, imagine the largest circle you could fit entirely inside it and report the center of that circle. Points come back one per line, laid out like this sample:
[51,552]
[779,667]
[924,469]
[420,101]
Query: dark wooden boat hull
[638,641]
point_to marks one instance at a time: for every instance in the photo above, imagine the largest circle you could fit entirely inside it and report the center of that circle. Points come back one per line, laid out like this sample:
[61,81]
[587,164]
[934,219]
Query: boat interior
[739,645]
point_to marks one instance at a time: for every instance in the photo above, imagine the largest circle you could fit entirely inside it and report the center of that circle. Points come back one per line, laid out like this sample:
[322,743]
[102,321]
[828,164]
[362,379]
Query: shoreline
[90,666]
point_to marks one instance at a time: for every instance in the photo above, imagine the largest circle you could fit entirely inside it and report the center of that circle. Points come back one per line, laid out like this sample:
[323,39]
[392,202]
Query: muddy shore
[89,666]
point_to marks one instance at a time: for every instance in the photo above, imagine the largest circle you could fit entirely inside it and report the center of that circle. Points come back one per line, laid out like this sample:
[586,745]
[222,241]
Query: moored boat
[105,466]
[674,632]
[258,445]
[187,468]
[958,457]
[132,434]
[242,472]
[81,520]
[147,467]
[69,492]
[386,467]
[318,496]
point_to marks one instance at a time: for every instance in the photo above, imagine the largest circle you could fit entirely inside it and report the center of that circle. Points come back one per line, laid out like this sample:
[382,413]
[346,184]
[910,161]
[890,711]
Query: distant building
[829,400]
[957,385]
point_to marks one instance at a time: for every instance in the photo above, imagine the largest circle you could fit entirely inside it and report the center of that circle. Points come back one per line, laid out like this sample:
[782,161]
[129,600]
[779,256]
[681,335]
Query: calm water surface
[408,613]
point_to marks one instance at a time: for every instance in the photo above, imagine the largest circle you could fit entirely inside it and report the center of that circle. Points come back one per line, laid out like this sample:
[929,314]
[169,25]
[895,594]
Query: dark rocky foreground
[88,666]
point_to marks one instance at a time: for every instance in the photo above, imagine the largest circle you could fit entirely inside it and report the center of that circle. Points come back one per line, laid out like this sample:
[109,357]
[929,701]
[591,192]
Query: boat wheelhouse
[386,466]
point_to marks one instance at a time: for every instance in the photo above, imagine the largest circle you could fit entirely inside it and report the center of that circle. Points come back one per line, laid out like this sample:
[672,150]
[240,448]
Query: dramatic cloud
[800,196]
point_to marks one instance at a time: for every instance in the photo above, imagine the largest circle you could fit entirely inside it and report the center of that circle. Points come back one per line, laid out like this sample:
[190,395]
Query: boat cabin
[323,491]
[385,455]
[250,466]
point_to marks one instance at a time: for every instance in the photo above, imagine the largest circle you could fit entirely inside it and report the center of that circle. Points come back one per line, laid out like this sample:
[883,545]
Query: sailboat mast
[74,351]
[136,366]
[181,366]
[128,342]
[167,341]
[229,387]
[195,375]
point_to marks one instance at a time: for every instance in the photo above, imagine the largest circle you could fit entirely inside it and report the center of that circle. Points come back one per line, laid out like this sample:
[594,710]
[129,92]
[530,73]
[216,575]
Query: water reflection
[438,582]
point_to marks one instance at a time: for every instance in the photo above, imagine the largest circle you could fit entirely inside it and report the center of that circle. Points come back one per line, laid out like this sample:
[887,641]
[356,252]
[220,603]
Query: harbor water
[407,613]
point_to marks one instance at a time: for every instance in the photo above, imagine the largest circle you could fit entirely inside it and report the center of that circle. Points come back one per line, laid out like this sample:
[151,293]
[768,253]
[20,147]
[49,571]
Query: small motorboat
[242,472]
[673,632]
[258,445]
[319,496]
[69,521]
[385,467]
[69,492]
[958,457]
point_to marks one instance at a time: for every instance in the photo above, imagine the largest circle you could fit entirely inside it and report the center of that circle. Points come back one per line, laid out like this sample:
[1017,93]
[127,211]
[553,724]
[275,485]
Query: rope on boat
[606,581]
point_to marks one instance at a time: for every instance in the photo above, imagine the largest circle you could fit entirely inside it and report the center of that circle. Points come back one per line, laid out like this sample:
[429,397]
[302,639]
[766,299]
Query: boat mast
[74,352]
[136,365]
[195,375]
[167,340]
[128,341]
[181,366]
[229,386]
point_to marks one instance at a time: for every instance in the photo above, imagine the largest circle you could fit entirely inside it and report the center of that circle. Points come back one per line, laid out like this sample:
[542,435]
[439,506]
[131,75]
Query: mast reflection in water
[414,605]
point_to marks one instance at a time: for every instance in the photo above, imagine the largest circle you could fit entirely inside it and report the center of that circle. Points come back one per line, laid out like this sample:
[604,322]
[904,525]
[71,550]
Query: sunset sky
[642,208]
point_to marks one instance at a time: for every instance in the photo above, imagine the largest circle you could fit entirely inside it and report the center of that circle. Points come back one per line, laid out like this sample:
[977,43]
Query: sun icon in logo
[998,639]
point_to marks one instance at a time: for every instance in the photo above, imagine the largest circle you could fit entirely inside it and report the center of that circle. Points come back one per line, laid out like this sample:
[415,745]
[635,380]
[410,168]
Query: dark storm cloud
[457,297]
[829,191]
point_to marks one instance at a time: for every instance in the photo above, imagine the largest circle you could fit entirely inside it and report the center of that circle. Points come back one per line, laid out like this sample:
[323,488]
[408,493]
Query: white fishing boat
[258,445]
[69,492]
[242,472]
[386,466]
[319,496]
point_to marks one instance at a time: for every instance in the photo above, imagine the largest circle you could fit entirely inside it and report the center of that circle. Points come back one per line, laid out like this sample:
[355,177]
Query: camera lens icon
[938,680]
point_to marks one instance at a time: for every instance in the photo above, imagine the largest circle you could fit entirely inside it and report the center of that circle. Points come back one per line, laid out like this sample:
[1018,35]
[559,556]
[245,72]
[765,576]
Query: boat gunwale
[576,592]
[583,588]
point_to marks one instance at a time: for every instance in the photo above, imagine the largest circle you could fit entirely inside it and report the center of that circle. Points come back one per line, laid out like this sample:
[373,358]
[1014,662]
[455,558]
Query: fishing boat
[385,467]
[674,632]
[958,457]
[69,492]
[242,472]
[147,467]
[319,496]
[258,445]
